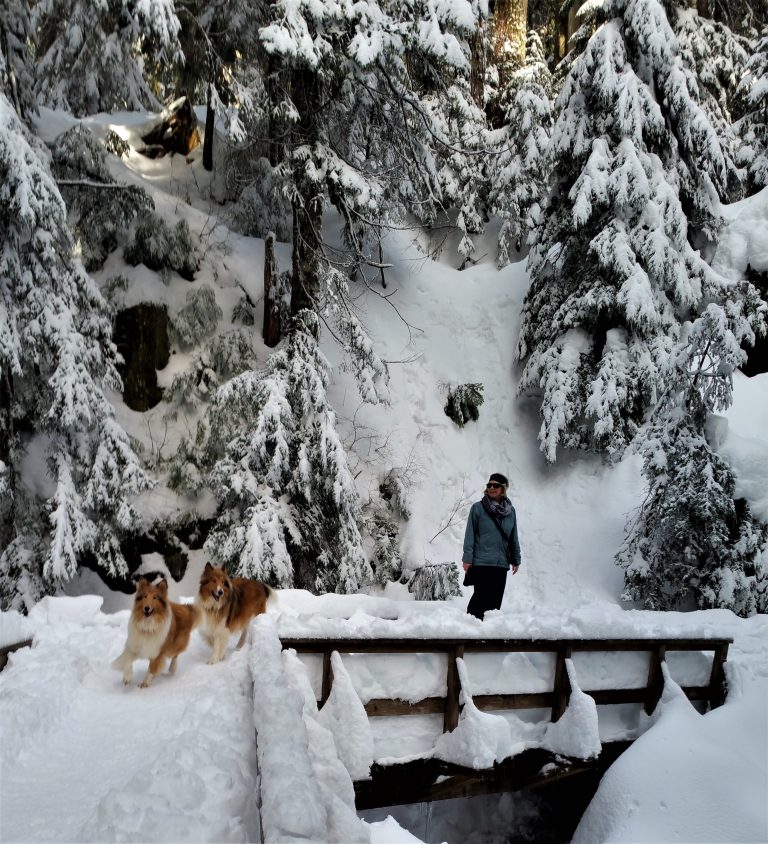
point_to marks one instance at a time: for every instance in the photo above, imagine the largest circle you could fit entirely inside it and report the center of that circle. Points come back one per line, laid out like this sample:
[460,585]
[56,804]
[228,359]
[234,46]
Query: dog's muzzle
[147,612]
[217,594]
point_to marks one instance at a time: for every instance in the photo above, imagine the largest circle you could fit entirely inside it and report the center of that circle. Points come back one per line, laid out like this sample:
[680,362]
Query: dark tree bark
[210,122]
[271,328]
[478,64]
[308,205]
[510,27]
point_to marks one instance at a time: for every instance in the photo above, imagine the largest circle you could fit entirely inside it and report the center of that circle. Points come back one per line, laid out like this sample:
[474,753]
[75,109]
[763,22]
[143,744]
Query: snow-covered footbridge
[478,754]
[320,717]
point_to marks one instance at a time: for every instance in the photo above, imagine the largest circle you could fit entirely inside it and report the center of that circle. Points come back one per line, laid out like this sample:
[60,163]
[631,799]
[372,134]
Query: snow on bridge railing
[556,699]
[479,752]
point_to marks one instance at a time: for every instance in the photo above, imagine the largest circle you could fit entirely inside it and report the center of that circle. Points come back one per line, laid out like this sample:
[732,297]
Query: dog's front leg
[155,667]
[124,663]
[219,647]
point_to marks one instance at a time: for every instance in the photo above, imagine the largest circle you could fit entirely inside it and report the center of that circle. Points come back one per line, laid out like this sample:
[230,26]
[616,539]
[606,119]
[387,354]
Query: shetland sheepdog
[158,629]
[227,606]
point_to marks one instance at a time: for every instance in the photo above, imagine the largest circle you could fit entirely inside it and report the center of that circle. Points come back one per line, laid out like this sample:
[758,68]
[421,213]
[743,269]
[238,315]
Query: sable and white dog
[158,629]
[227,606]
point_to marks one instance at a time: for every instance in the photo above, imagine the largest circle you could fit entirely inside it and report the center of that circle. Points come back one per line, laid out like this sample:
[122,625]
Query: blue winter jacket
[483,544]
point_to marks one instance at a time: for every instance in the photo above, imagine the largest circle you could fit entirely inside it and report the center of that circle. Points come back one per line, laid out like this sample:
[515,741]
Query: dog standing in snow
[227,606]
[158,630]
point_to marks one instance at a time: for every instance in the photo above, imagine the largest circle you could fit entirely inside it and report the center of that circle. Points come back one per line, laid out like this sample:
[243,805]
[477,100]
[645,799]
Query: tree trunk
[510,27]
[210,119]
[308,204]
[307,226]
[271,328]
[7,440]
[477,64]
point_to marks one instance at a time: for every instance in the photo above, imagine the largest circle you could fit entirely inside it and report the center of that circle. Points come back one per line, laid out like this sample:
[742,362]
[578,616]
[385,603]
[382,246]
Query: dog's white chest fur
[145,643]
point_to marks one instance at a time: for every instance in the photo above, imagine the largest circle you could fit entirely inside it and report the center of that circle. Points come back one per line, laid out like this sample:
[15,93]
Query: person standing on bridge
[491,547]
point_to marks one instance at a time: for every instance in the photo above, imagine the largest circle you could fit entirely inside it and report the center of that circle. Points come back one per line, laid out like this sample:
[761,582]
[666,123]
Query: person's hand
[467,566]
[514,569]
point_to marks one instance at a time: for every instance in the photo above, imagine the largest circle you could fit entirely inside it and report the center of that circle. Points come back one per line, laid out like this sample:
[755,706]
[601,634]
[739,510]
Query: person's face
[494,490]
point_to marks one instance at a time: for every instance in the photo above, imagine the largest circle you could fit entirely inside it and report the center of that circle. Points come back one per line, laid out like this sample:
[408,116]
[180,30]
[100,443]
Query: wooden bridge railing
[556,700]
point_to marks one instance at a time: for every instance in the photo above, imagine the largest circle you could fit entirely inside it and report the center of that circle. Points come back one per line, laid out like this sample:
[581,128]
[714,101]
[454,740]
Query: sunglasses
[493,486]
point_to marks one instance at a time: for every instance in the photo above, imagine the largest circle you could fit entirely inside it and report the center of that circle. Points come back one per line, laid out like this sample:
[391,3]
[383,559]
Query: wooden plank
[529,700]
[432,779]
[385,706]
[9,649]
[717,683]
[315,645]
[655,678]
[562,685]
[451,713]
[380,707]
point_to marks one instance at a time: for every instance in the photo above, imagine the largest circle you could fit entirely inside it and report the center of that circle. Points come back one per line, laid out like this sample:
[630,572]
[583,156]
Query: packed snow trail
[91,760]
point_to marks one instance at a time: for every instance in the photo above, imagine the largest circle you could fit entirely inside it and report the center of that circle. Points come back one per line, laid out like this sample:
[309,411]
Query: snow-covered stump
[306,792]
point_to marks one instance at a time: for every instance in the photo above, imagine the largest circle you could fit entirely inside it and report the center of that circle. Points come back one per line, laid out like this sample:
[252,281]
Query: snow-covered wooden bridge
[431,777]
[341,723]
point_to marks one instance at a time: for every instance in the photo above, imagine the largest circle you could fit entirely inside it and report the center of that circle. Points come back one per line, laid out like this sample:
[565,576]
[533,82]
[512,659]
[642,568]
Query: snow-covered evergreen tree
[636,163]
[752,126]
[717,57]
[288,507]
[398,76]
[16,61]
[55,354]
[519,175]
[99,208]
[102,56]
[690,537]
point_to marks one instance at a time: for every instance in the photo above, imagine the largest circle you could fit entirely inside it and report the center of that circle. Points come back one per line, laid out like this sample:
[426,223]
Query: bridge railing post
[717,683]
[655,685]
[453,689]
[327,681]
[562,684]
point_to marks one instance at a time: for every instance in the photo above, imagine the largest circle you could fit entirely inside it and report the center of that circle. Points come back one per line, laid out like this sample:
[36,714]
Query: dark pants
[489,583]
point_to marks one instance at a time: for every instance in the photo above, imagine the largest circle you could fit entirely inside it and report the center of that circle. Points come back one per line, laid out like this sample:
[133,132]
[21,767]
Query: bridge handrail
[557,699]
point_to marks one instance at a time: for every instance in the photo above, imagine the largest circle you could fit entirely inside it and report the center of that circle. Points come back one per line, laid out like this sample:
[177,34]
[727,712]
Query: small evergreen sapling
[435,582]
[162,249]
[463,403]
[198,318]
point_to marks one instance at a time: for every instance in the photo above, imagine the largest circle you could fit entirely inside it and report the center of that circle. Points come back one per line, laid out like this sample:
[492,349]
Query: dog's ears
[163,586]
[208,567]
[142,581]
